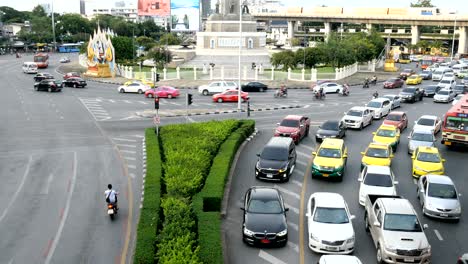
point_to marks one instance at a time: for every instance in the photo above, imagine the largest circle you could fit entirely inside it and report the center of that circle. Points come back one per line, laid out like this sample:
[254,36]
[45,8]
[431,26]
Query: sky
[74,5]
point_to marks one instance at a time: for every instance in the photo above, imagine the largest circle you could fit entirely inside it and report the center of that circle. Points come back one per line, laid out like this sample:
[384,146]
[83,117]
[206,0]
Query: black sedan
[330,129]
[48,85]
[254,87]
[431,90]
[412,94]
[74,82]
[42,76]
[264,217]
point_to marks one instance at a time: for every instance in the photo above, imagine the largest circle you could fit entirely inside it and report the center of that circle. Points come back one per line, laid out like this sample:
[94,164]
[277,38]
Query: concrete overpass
[415,21]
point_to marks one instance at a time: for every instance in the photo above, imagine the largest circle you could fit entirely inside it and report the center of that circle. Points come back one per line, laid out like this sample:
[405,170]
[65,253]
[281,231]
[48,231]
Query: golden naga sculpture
[100,57]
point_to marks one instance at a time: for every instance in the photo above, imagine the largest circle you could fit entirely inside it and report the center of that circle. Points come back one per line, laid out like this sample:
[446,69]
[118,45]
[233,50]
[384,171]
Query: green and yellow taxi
[330,159]
[387,134]
[427,160]
[377,154]
[414,79]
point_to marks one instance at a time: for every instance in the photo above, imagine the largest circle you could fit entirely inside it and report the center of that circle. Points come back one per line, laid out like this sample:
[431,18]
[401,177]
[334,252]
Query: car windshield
[423,137]
[443,92]
[402,222]
[264,206]
[394,117]
[385,133]
[457,123]
[426,122]
[274,153]
[408,90]
[428,157]
[380,180]
[444,191]
[425,72]
[377,152]
[331,215]
[289,123]
[374,104]
[445,81]
[407,70]
[392,80]
[413,77]
[354,113]
[329,126]
[329,153]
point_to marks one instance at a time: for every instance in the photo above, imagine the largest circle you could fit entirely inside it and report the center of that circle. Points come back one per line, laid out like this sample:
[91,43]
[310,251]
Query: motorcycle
[344,93]
[280,94]
[366,84]
[319,96]
[375,96]
[373,81]
[111,210]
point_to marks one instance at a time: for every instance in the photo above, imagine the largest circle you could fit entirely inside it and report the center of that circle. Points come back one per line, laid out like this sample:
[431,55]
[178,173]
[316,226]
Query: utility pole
[239,99]
[53,26]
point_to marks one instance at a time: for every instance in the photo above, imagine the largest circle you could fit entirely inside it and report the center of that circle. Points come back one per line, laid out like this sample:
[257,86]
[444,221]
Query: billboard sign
[154,8]
[185,15]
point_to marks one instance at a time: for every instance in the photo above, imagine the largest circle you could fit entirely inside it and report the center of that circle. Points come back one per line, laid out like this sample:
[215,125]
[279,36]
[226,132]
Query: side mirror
[351,217]
[314,153]
[363,153]
[301,126]
[359,180]
[345,155]
[242,208]
[286,209]
[443,160]
[373,133]
[415,122]
[421,190]
[395,182]
[409,137]
[391,155]
[258,154]
[277,124]
[377,224]
[425,226]
[308,215]
[344,113]
[460,194]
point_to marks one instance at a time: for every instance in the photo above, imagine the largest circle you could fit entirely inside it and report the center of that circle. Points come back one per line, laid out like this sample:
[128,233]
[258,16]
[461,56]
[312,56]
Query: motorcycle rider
[346,89]
[111,196]
[375,94]
[366,83]
[374,80]
[283,90]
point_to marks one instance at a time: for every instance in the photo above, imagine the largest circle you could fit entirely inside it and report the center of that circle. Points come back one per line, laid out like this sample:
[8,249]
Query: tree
[123,47]
[146,42]
[71,24]
[422,3]
[285,59]
[39,11]
[10,15]
[169,39]
[160,56]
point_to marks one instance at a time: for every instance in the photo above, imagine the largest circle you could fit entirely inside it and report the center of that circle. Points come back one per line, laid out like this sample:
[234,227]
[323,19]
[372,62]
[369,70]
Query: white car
[457,98]
[428,122]
[447,83]
[329,224]
[339,259]
[449,75]
[380,106]
[216,87]
[395,100]
[444,96]
[133,87]
[329,87]
[358,117]
[376,180]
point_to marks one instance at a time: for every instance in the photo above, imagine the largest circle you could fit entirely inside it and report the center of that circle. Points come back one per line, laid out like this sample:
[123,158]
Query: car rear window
[289,123]
[380,180]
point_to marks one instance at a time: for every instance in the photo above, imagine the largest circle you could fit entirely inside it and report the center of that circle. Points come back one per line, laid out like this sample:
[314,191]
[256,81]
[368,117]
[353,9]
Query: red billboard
[154,7]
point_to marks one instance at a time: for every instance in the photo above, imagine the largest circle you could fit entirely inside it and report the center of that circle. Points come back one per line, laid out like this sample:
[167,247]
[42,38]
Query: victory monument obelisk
[222,30]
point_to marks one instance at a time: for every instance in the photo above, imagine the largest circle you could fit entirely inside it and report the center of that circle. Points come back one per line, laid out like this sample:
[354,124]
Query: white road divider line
[292,208]
[112,101]
[127,146]
[128,151]
[129,158]
[270,258]
[306,106]
[300,153]
[284,190]
[301,163]
[415,181]
[298,183]
[125,139]
[45,190]
[132,175]
[438,235]
[311,149]
[293,226]
[131,166]
[295,247]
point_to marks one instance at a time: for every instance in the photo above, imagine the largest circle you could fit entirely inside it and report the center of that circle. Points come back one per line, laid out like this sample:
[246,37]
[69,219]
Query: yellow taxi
[144,81]
[427,160]
[377,154]
[414,79]
[330,159]
[387,134]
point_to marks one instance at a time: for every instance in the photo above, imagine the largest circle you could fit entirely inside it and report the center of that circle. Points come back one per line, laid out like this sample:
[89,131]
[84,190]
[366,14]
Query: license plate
[265,241]
[408,259]
[447,143]
[331,248]
[325,175]
[444,215]
[269,175]
[110,211]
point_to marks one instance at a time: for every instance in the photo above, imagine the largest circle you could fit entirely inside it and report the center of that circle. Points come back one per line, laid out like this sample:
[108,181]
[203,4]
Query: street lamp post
[53,26]
[453,37]
[239,101]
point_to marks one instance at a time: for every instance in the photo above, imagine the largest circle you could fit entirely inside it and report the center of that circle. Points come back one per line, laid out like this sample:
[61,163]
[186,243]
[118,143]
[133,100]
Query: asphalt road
[448,239]
[55,163]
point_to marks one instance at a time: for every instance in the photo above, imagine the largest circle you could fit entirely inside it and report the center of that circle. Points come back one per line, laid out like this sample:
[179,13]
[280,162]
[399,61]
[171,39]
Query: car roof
[293,117]
[428,117]
[387,127]
[329,199]
[397,206]
[378,169]
[389,95]
[380,100]
[377,145]
[414,76]
[428,149]
[358,108]
[339,259]
[332,143]
[279,142]
[263,192]
[331,122]
[400,113]
[443,179]
[423,131]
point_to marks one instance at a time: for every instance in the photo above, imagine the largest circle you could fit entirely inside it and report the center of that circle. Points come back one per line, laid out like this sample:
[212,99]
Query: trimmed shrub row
[145,251]
[207,203]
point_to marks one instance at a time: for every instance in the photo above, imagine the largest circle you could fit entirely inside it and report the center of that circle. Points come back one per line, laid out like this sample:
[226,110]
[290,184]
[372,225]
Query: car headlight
[283,233]
[318,135]
[350,240]
[426,250]
[248,232]
[315,238]
[277,132]
[391,249]
[317,167]
[257,165]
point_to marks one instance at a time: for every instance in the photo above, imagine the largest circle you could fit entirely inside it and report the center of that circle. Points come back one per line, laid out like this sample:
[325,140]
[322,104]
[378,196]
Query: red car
[398,119]
[230,96]
[163,92]
[393,83]
[293,126]
[71,74]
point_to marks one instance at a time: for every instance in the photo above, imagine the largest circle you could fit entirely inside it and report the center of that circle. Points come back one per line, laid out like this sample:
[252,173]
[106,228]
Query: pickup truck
[293,126]
[216,87]
[396,231]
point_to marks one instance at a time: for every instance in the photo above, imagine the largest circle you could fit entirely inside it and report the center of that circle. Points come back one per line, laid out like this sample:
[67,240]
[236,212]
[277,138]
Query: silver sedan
[439,197]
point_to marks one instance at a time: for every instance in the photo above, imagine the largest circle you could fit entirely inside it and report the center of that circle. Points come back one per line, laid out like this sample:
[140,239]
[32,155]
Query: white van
[439,73]
[458,68]
[29,67]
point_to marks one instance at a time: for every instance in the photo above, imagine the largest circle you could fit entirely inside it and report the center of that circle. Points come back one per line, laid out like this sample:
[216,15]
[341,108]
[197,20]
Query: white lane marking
[128,151]
[295,247]
[95,107]
[270,258]
[65,212]
[297,171]
[438,235]
[306,106]
[112,101]
[298,183]
[129,158]
[415,181]
[140,136]
[301,163]
[302,154]
[311,149]
[292,208]
[127,101]
[293,226]
[130,166]
[284,190]
[132,175]
[129,117]
[45,190]
[127,146]
[20,187]
[125,139]
[141,102]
